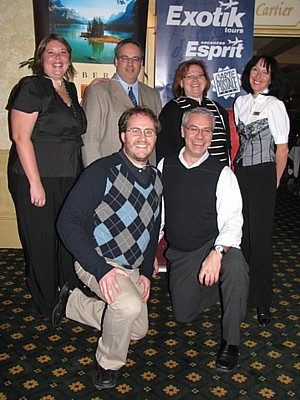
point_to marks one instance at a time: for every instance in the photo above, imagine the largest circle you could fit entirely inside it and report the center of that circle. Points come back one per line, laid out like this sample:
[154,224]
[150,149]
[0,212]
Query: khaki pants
[121,321]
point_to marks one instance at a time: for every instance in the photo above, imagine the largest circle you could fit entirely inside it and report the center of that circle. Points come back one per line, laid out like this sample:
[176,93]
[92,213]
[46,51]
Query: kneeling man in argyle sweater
[110,223]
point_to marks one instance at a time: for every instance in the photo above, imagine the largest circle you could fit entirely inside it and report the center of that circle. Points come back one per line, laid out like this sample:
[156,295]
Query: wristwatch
[219,249]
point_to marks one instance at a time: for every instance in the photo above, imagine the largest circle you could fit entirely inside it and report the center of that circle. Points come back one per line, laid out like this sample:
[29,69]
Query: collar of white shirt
[196,164]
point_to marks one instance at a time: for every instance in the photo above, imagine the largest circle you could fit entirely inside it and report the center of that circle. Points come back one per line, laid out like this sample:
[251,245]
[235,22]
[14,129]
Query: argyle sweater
[113,212]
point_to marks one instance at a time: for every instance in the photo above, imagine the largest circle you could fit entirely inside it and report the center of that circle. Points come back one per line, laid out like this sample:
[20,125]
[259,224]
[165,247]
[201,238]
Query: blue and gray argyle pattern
[126,216]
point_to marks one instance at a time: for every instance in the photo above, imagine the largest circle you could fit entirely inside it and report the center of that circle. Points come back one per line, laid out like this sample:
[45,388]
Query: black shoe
[263,316]
[104,378]
[227,357]
[60,308]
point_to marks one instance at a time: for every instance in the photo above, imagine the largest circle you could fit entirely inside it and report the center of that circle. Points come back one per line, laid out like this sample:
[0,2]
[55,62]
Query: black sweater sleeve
[169,139]
[75,223]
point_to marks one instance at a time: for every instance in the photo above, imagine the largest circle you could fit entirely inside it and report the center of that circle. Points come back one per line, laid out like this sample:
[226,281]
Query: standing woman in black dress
[46,124]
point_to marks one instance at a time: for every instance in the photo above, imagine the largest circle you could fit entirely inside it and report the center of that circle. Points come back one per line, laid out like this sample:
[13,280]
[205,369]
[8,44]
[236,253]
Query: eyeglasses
[126,59]
[194,130]
[149,132]
[196,76]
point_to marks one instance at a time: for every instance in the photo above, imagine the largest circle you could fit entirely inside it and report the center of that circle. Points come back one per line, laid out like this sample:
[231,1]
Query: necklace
[60,81]
[63,84]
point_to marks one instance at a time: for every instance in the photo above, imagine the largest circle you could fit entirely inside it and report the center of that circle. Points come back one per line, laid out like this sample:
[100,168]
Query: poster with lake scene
[94,27]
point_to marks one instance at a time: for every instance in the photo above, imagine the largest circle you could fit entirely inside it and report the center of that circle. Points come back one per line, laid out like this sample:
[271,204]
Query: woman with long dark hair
[263,127]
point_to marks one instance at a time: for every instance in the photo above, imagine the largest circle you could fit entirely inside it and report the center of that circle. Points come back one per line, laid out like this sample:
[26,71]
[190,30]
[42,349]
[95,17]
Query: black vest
[190,202]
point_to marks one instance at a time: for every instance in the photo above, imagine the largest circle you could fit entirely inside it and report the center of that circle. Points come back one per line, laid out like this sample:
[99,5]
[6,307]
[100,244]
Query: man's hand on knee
[210,269]
[146,292]
[109,281]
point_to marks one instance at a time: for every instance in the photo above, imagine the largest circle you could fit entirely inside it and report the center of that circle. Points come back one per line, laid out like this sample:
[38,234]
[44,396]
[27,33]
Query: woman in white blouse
[263,127]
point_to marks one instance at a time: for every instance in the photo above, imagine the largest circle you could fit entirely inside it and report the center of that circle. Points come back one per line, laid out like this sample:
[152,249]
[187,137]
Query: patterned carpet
[174,361]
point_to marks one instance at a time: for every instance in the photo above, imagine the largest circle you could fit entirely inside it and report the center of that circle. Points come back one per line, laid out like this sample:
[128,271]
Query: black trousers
[48,263]
[189,298]
[258,188]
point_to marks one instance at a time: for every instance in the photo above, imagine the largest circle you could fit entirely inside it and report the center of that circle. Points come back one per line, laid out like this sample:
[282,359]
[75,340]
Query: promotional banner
[218,32]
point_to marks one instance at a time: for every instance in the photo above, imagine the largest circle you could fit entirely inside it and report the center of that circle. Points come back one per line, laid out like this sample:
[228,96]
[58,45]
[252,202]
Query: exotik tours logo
[218,18]
[226,16]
